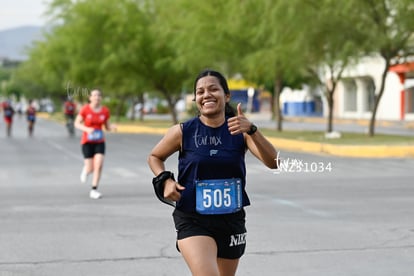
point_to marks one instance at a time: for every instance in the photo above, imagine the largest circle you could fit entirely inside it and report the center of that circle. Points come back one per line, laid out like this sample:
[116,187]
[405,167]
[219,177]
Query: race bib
[96,135]
[8,113]
[218,196]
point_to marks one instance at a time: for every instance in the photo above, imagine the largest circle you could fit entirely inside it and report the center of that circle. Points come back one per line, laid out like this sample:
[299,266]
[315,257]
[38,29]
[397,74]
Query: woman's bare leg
[200,254]
[98,160]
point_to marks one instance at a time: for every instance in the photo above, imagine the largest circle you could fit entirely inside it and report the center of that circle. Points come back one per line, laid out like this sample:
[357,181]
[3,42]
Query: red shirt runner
[70,108]
[95,120]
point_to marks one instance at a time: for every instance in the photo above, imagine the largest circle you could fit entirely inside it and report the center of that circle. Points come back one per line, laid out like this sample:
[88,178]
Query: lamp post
[250,94]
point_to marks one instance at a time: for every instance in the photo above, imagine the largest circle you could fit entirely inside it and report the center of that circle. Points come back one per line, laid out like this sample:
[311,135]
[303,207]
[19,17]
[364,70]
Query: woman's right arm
[168,145]
[79,124]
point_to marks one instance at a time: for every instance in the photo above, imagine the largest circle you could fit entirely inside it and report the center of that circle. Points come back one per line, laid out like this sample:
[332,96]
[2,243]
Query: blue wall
[307,108]
[240,96]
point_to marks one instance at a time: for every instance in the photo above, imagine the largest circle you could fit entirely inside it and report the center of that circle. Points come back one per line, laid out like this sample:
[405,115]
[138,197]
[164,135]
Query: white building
[355,94]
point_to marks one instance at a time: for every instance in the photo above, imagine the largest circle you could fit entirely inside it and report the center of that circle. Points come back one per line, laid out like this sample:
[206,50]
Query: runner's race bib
[96,135]
[8,113]
[218,196]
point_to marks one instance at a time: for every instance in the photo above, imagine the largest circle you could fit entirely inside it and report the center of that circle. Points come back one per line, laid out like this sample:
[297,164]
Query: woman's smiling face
[95,97]
[210,97]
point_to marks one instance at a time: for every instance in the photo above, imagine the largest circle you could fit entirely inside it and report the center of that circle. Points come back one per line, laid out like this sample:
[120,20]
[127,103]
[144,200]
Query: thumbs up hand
[239,110]
[239,123]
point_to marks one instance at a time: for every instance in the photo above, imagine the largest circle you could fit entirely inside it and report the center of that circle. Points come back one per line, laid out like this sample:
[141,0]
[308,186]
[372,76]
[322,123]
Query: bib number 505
[218,196]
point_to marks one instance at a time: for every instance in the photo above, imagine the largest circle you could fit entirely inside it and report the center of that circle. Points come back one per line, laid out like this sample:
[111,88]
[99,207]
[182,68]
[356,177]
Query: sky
[17,13]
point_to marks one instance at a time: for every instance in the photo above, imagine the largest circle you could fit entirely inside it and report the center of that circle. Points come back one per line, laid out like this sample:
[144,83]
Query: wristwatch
[252,130]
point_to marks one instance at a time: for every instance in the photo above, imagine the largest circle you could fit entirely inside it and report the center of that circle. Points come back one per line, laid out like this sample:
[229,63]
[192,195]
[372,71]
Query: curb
[361,151]
[140,129]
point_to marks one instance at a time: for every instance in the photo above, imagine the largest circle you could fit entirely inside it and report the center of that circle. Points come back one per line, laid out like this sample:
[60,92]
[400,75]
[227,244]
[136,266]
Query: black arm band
[159,182]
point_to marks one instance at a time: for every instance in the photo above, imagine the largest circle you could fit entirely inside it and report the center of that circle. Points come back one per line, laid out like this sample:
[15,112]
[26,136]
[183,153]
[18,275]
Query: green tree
[200,34]
[117,46]
[329,45]
[35,79]
[389,27]
[4,79]
[274,53]
[234,37]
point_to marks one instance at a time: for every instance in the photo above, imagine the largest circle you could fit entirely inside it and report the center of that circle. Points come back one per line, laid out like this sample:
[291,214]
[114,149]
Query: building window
[369,95]
[350,95]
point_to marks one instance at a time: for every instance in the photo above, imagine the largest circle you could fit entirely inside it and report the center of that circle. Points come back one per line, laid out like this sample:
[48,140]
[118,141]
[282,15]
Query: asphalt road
[317,215]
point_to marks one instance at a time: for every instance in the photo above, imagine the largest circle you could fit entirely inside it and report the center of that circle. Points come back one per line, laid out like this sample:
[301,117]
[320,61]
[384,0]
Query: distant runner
[91,118]
[31,117]
[69,110]
[8,113]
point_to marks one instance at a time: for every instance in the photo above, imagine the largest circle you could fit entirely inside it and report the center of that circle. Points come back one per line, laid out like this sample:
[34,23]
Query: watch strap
[159,182]
[252,130]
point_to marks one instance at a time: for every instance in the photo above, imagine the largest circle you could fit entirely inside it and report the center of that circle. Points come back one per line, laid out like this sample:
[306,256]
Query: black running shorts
[90,149]
[229,230]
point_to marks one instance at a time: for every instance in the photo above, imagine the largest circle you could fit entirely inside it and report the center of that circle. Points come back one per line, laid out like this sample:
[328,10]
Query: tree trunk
[371,130]
[171,106]
[134,103]
[173,112]
[278,112]
[142,112]
[118,109]
[330,111]
[272,105]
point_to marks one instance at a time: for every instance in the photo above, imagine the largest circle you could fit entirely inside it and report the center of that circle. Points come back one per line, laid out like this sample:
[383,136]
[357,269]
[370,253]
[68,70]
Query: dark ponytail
[230,111]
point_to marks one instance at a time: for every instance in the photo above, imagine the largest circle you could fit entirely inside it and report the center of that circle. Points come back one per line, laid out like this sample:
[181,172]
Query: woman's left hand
[238,124]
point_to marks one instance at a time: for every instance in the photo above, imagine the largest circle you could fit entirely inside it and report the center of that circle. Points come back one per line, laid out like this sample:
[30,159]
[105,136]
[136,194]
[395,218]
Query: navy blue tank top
[209,153]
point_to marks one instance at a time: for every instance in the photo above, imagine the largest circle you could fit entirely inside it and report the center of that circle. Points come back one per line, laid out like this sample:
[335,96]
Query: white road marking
[124,172]
[302,208]
[64,150]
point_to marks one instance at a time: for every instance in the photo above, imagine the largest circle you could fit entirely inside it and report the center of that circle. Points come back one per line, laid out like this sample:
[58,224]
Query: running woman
[209,193]
[31,117]
[90,120]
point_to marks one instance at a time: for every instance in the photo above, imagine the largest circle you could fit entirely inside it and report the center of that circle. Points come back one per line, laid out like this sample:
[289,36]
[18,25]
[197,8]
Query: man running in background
[69,110]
